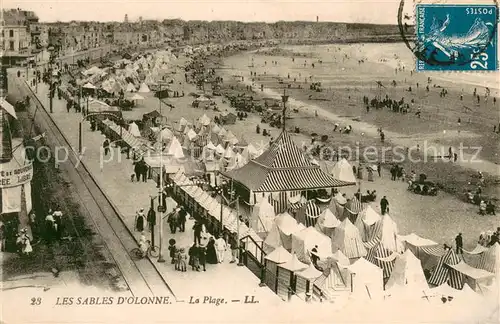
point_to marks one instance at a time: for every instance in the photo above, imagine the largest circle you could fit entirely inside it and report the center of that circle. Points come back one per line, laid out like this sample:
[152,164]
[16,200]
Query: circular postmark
[449,36]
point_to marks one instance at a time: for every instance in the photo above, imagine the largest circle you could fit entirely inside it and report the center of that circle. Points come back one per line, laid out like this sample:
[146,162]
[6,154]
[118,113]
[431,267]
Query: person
[142,238]
[234,249]
[314,256]
[494,238]
[459,243]
[172,250]
[25,242]
[197,227]
[482,208]
[384,204]
[221,248]
[139,220]
[151,218]
[58,219]
[50,227]
[211,251]
[182,259]
[193,257]
[202,256]
[379,169]
[105,145]
[490,208]
[182,219]
[144,246]
[173,220]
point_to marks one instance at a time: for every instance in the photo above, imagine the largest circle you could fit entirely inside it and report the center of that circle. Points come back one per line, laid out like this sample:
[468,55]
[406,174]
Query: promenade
[113,176]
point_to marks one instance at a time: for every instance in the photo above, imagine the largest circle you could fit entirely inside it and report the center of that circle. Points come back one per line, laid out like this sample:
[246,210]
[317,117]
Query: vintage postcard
[249,161]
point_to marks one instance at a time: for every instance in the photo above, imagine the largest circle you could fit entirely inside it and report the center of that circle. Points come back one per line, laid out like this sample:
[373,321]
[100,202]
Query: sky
[358,11]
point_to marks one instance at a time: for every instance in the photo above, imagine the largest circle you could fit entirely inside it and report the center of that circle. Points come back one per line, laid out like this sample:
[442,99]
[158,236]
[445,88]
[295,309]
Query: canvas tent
[444,273]
[408,272]
[473,276]
[343,171]
[327,222]
[367,279]
[286,277]
[365,222]
[286,225]
[262,216]
[305,278]
[346,238]
[305,240]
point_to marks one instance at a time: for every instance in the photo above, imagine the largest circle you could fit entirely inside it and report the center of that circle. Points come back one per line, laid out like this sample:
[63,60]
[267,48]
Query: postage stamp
[456,37]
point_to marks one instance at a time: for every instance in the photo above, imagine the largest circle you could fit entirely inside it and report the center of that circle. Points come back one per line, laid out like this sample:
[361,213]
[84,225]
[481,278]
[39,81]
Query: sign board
[16,177]
[162,209]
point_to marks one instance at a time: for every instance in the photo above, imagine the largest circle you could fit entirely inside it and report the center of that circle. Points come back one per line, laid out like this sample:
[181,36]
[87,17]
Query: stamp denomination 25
[456,37]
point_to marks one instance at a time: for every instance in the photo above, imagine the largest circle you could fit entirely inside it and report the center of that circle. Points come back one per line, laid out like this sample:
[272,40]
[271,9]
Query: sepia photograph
[261,161]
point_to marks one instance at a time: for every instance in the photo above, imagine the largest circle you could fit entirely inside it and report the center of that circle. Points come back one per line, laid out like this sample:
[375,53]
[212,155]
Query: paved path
[114,177]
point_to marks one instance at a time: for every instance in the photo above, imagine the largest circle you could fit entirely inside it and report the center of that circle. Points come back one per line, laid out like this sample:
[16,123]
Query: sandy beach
[413,213]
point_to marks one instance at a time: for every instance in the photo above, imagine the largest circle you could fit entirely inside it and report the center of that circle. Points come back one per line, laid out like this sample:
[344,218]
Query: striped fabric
[296,206]
[371,244]
[444,273]
[312,212]
[283,153]
[436,251]
[290,179]
[352,208]
[376,254]
[279,201]
[490,259]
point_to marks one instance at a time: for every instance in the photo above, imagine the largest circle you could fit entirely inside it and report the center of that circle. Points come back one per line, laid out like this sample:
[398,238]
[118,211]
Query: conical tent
[204,120]
[342,170]
[444,273]
[279,255]
[293,264]
[367,278]
[134,129]
[490,259]
[286,225]
[144,88]
[263,216]
[304,241]
[327,222]
[311,273]
[273,239]
[347,239]
[166,135]
[408,271]
[175,149]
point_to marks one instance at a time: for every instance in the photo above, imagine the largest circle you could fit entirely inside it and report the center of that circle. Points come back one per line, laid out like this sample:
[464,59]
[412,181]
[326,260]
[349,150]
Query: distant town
[24,38]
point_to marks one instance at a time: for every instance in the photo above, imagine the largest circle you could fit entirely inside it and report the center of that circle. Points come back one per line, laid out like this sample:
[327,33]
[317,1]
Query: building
[16,37]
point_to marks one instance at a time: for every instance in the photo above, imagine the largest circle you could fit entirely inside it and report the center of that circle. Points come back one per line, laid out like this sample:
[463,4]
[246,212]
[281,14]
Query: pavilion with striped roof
[283,167]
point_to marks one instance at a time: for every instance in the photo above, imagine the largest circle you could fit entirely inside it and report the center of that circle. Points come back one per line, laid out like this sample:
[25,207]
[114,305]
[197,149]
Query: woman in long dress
[211,253]
[139,220]
[221,247]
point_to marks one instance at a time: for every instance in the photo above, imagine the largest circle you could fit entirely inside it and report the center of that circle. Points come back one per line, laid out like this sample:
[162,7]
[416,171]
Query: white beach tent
[278,256]
[175,149]
[273,239]
[287,225]
[327,222]
[191,134]
[342,170]
[347,239]
[166,135]
[337,204]
[262,216]
[182,124]
[366,279]
[134,129]
[476,278]
[220,150]
[215,129]
[408,272]
[415,244]
[204,120]
[144,88]
[305,240]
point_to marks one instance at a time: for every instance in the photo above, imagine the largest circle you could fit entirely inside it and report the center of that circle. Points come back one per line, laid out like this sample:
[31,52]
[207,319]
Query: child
[182,260]
[144,246]
[173,250]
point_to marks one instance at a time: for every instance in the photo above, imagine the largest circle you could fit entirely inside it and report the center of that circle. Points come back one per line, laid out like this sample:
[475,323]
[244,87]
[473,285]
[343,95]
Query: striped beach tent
[381,254]
[279,201]
[352,208]
[346,238]
[312,213]
[444,273]
[490,259]
[365,222]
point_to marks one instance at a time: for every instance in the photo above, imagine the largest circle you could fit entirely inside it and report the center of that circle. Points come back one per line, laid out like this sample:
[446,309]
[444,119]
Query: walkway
[113,175]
